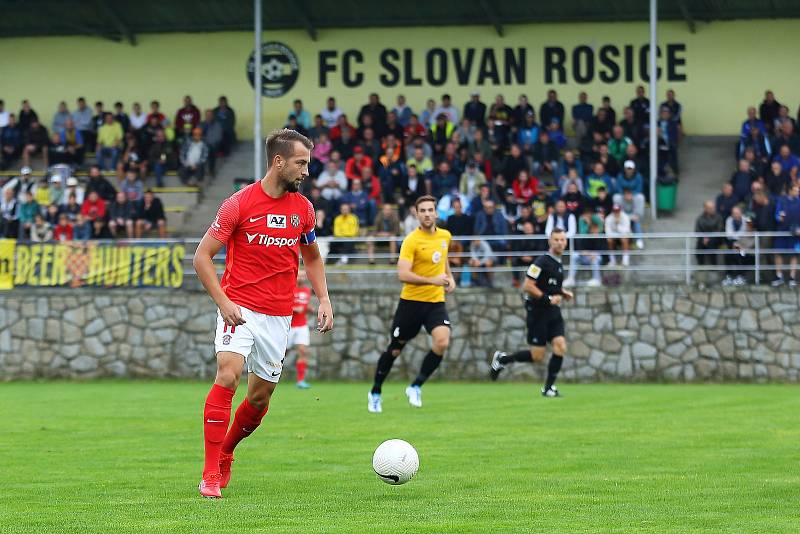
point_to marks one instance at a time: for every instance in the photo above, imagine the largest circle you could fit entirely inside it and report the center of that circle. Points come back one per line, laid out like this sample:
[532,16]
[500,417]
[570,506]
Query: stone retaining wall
[628,334]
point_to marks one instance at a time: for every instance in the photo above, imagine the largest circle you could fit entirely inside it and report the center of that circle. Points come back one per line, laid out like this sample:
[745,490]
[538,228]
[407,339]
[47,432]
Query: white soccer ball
[395,461]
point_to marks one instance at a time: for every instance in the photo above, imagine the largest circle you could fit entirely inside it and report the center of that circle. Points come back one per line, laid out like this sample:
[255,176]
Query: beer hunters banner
[91,264]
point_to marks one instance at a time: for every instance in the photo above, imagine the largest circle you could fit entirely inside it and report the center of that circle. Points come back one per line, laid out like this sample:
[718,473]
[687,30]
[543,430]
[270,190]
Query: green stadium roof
[123,19]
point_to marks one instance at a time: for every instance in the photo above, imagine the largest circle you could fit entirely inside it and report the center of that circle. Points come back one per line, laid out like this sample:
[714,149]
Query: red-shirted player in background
[299,335]
[264,227]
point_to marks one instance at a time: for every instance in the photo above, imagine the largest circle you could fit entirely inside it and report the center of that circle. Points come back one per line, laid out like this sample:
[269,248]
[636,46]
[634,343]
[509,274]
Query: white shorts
[261,341]
[299,335]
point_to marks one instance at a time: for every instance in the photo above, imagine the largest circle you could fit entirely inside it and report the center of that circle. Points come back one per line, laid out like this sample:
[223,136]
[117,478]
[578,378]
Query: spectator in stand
[500,124]
[414,187]
[322,148]
[41,230]
[332,182]
[155,112]
[459,223]
[137,117]
[97,182]
[751,123]
[94,210]
[551,108]
[641,107]
[354,166]
[633,206]
[28,209]
[520,111]
[41,192]
[572,197]
[618,144]
[557,134]
[465,132]
[292,124]
[428,115]
[413,131]
[603,203]
[602,124]
[443,181]
[777,180]
[759,144]
[342,127]
[618,232]
[346,225]
[606,105]
[361,205]
[783,116]
[788,161]
[568,162]
[525,187]
[675,109]
[9,215]
[410,223]
[109,142]
[528,133]
[377,110]
[3,115]
[21,184]
[489,221]
[56,190]
[513,163]
[51,214]
[371,145]
[726,200]
[318,129]
[71,207]
[160,156]
[131,187]
[471,181]
[545,156]
[35,141]
[83,122]
[582,115]
[194,154]
[590,253]
[131,159]
[392,172]
[420,161]
[710,221]
[402,111]
[448,109]
[386,225]
[81,228]
[77,193]
[786,136]
[187,118]
[481,257]
[150,215]
[60,117]
[787,217]
[331,113]
[345,144]
[121,117]
[212,135]
[768,111]
[561,218]
[121,214]
[26,116]
[372,185]
[11,142]
[741,180]
[735,227]
[630,128]
[227,118]
[63,231]
[597,179]
[72,141]
[475,110]
[303,117]
[440,133]
[667,142]
[630,179]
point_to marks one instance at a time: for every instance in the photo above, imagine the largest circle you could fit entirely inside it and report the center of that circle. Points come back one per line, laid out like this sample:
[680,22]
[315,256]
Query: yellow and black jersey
[428,256]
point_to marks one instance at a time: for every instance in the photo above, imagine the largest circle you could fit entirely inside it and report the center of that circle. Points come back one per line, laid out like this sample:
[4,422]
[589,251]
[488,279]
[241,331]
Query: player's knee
[440,345]
[537,354]
[227,378]
[395,347]
[559,346]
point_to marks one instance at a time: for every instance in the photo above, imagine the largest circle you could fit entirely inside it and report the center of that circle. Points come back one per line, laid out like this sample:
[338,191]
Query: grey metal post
[688,253]
[257,140]
[758,261]
[653,108]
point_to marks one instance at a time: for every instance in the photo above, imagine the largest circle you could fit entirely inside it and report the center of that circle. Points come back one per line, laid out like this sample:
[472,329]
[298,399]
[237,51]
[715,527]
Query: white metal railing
[666,256]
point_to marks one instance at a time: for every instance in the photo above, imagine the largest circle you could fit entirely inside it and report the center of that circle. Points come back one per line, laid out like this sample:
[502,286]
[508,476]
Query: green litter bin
[666,193]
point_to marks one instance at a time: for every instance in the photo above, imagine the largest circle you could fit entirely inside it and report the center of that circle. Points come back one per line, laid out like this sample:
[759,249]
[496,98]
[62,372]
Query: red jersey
[302,298]
[262,235]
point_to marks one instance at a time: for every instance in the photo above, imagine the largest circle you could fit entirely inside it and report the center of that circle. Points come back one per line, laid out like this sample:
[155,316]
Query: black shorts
[411,315]
[544,324]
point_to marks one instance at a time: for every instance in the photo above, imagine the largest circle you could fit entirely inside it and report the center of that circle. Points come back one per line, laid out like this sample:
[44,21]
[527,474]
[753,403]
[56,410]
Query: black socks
[519,356]
[429,365]
[385,363]
[553,367]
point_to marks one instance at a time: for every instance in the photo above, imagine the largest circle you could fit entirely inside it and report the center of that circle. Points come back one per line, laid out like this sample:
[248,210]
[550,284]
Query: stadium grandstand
[452,145]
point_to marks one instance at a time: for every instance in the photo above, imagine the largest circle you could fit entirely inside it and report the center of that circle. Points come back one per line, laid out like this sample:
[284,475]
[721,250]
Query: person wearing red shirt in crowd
[525,187]
[355,165]
[94,210]
[155,111]
[341,124]
[371,183]
[265,227]
[299,335]
[187,118]
[63,231]
[414,129]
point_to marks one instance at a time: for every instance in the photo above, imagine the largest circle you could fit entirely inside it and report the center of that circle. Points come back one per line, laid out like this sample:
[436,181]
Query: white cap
[55,178]
[630,164]
[72,181]
[474,93]
[25,170]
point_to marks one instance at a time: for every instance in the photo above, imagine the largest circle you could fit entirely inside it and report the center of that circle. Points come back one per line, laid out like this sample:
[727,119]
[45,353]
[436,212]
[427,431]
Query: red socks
[216,416]
[245,422]
[300,366]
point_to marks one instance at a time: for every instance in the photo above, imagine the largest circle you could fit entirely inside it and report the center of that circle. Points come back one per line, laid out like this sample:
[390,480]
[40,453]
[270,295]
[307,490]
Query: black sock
[552,370]
[429,365]
[385,363]
[519,356]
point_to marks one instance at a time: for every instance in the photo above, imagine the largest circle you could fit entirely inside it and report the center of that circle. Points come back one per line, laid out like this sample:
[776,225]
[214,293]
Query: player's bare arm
[315,270]
[204,267]
[407,276]
[451,285]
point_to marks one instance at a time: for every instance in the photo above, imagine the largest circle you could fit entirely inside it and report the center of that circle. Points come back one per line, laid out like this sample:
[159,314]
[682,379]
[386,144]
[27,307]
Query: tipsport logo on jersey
[279,69]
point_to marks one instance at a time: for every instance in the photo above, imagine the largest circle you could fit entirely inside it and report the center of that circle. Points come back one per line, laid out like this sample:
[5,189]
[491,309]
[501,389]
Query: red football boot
[209,487]
[225,461]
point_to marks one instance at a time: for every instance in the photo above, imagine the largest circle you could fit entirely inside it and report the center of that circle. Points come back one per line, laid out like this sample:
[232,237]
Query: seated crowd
[495,170]
[762,195]
[148,144]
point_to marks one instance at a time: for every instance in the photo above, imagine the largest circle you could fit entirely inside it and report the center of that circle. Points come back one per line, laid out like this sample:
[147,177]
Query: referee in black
[543,296]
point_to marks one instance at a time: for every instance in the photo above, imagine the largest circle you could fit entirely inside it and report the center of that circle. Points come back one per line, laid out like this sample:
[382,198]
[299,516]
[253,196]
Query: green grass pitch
[495,457]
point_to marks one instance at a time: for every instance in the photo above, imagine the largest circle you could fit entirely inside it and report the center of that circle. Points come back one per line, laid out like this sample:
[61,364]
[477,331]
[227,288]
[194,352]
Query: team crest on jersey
[276,221]
[226,339]
[295,220]
[437,257]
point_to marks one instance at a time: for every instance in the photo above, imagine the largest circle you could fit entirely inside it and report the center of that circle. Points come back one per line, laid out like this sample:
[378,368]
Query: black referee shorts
[544,324]
[411,315]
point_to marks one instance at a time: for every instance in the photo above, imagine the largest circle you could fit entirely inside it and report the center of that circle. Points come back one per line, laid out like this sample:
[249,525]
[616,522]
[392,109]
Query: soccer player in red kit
[299,334]
[265,227]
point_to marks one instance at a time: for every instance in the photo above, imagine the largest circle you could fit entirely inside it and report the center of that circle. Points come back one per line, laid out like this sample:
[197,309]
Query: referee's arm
[537,294]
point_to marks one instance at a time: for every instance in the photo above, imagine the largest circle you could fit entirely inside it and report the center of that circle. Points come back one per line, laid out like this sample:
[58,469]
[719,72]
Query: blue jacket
[636,184]
[791,206]
[528,136]
[495,226]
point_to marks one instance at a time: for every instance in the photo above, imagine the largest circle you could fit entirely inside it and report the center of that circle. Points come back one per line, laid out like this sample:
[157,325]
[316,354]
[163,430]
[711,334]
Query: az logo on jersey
[276,221]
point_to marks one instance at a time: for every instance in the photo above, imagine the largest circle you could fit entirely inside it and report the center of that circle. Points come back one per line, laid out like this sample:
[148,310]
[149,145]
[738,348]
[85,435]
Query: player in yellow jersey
[426,277]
